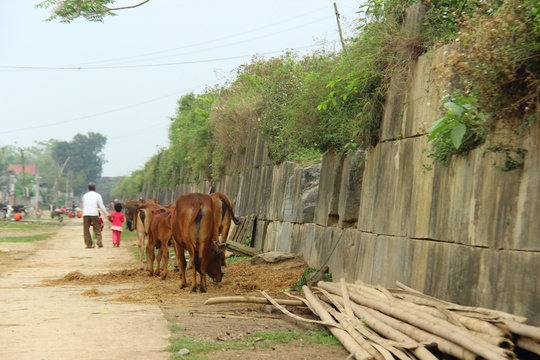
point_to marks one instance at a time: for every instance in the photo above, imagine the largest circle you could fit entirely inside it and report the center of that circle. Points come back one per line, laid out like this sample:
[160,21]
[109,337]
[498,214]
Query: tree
[85,158]
[91,10]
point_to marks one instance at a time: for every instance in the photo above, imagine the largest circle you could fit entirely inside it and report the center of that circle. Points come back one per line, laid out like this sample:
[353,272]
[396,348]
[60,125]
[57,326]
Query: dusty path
[44,322]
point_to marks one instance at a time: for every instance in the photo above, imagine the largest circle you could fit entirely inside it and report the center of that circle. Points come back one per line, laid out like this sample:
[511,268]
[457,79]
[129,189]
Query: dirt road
[43,322]
[62,301]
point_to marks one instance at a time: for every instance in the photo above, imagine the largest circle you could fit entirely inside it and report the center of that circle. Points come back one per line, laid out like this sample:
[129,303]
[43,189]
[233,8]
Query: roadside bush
[459,131]
[233,121]
[498,59]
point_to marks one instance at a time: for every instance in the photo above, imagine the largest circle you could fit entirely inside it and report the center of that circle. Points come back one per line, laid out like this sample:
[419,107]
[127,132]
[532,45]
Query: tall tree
[85,155]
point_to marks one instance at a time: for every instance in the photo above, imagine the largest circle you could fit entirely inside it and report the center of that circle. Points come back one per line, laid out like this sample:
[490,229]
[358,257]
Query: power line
[215,40]
[82,65]
[35,68]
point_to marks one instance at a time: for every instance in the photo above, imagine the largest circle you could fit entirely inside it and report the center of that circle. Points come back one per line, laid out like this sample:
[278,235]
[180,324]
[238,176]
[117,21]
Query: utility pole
[24,178]
[37,188]
[60,171]
[339,27]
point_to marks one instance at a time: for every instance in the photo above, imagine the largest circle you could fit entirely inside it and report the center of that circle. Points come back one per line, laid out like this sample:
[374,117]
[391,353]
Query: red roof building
[28,168]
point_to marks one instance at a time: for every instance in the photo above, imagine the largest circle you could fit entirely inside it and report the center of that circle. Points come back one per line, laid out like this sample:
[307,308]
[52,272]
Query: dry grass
[241,278]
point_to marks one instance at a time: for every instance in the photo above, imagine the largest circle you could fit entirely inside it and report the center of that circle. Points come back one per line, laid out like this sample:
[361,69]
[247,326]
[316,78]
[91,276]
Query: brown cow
[223,216]
[192,227]
[160,237]
[140,218]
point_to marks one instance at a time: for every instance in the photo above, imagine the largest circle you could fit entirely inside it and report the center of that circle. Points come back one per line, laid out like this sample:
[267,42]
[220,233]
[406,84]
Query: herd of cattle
[198,223]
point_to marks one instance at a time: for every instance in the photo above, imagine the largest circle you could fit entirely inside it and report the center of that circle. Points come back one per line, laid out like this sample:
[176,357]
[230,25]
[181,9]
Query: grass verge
[200,350]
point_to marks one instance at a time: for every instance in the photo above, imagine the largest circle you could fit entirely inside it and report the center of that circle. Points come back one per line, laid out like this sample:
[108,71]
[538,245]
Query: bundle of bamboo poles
[373,322]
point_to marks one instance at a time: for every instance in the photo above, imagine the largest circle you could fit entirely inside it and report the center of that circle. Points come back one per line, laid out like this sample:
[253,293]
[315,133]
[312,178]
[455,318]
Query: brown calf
[139,219]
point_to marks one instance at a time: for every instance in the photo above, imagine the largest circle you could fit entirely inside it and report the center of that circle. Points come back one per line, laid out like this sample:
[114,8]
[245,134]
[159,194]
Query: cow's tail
[142,215]
[196,260]
[227,205]
[138,210]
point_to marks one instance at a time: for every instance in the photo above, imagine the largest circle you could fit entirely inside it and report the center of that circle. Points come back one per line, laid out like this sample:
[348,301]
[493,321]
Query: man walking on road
[92,203]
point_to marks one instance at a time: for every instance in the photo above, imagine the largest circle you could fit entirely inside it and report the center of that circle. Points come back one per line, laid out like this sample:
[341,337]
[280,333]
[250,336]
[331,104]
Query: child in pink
[116,218]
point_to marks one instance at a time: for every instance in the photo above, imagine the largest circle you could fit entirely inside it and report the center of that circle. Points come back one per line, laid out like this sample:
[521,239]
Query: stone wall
[467,233]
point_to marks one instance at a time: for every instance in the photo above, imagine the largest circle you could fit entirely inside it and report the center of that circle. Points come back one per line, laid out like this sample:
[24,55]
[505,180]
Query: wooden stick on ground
[528,344]
[497,313]
[400,339]
[428,323]
[346,340]
[347,325]
[529,331]
[288,313]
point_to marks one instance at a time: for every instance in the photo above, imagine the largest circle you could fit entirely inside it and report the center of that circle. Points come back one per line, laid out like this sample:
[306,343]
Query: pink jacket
[116,218]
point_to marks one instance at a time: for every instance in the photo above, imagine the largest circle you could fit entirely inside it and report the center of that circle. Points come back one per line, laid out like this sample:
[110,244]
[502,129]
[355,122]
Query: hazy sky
[122,78]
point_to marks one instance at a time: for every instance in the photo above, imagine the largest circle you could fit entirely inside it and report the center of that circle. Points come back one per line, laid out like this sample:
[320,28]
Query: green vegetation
[305,276]
[27,238]
[234,259]
[62,165]
[459,131]
[201,349]
[67,11]
[18,231]
[330,101]
[497,64]
[175,328]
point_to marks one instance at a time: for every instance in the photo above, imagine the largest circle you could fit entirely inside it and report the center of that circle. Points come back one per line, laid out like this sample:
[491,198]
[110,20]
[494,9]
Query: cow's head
[220,252]
[129,213]
[214,267]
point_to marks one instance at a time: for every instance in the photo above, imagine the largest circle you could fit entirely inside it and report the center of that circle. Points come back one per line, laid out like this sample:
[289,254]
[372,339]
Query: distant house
[16,169]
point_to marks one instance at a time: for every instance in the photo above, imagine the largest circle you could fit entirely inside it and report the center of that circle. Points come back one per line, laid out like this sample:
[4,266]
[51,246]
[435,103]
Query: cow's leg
[158,260]
[182,264]
[140,244]
[150,257]
[202,261]
[176,258]
[192,255]
[165,257]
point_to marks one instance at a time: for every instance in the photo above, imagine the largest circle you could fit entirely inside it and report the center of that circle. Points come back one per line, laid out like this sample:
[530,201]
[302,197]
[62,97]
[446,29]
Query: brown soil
[62,301]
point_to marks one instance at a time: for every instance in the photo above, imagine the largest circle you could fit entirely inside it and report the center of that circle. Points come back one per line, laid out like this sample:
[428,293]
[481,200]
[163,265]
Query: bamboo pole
[346,299]
[452,320]
[422,336]
[528,344]
[287,312]
[529,331]
[346,340]
[384,346]
[347,325]
[389,332]
[429,323]
[498,341]
[481,323]
[496,313]
[251,299]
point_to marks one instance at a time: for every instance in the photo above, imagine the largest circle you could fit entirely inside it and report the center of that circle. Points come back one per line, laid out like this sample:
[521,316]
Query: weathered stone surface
[272,257]
[309,191]
[350,188]
[326,213]
[281,181]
